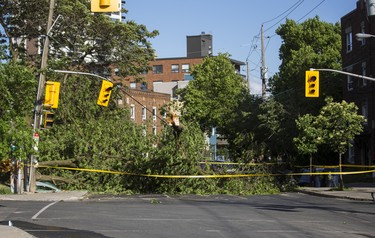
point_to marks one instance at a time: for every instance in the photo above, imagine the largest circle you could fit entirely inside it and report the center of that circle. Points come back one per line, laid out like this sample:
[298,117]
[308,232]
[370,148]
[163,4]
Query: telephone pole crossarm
[346,73]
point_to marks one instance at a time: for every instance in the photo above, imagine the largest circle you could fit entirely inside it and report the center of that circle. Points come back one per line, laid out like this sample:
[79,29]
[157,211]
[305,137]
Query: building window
[144,131]
[349,39]
[144,86]
[154,130]
[350,83]
[133,85]
[144,113]
[350,80]
[175,68]
[365,111]
[185,68]
[132,111]
[351,153]
[154,113]
[117,71]
[157,69]
[144,72]
[364,81]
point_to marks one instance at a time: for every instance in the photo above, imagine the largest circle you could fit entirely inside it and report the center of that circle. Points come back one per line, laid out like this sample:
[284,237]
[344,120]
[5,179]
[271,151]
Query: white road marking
[42,210]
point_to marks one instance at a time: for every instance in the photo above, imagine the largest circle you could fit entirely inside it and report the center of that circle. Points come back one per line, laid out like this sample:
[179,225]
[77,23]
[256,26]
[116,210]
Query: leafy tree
[79,38]
[309,138]
[310,44]
[340,124]
[20,21]
[336,126]
[93,137]
[98,44]
[254,129]
[17,88]
[213,96]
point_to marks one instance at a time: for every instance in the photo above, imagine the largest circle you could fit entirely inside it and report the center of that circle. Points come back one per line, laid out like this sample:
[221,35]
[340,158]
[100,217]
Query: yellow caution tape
[206,176]
[235,163]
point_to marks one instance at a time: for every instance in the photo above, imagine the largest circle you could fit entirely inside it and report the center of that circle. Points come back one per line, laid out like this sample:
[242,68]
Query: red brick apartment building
[358,57]
[145,108]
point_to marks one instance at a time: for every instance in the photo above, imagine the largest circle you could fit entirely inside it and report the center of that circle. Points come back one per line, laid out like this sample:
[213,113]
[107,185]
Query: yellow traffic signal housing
[48,119]
[105,93]
[51,98]
[105,5]
[312,84]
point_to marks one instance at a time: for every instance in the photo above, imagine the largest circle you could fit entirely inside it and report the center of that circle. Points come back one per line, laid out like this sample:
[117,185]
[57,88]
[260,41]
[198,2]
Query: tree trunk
[61,163]
[341,178]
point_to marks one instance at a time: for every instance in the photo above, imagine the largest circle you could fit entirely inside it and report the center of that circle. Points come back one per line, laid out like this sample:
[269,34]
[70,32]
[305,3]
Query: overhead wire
[283,12]
[294,8]
[311,10]
[256,37]
[320,3]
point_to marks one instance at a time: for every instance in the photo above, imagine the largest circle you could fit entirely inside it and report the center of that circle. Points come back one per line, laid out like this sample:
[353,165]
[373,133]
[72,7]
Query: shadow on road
[41,231]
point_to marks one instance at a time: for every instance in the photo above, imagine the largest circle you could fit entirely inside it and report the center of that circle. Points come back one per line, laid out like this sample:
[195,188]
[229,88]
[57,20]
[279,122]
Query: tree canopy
[310,44]
[80,39]
[17,90]
[214,94]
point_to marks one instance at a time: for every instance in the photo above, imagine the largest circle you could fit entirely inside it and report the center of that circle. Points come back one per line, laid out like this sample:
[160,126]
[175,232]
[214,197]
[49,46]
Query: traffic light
[48,119]
[105,93]
[51,98]
[312,84]
[105,5]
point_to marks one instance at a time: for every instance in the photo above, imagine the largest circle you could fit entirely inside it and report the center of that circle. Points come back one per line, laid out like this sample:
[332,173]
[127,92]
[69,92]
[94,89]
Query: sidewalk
[360,192]
[58,196]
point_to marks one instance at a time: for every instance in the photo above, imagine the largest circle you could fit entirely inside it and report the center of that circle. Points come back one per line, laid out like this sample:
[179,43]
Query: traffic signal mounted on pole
[105,5]
[105,93]
[312,84]
[51,98]
[48,119]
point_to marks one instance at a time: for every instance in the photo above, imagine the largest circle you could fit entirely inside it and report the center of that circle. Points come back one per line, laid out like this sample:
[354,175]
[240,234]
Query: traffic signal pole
[346,73]
[38,111]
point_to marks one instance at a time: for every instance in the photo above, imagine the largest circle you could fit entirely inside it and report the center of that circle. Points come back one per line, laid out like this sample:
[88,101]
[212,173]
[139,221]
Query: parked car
[46,187]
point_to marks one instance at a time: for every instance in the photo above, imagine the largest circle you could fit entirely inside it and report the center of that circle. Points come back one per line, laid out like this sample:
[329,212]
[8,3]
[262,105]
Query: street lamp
[361,36]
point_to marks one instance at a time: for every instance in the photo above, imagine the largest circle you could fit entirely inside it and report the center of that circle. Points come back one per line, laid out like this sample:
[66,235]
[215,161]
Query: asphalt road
[285,215]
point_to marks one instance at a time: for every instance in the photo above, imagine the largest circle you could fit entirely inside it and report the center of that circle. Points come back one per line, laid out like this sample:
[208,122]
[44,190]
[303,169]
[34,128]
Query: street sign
[36,137]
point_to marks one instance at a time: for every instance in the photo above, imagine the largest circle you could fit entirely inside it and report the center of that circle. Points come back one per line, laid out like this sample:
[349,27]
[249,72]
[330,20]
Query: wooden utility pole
[38,112]
[263,68]
[248,74]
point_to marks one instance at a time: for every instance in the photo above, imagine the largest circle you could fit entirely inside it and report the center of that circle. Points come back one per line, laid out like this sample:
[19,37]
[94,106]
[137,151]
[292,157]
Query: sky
[235,26]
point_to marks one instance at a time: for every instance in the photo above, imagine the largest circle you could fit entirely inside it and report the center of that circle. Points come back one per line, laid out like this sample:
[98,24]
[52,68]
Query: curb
[320,194]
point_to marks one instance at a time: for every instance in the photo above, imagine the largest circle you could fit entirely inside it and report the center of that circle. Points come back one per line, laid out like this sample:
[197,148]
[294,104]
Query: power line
[294,8]
[283,12]
[254,42]
[311,10]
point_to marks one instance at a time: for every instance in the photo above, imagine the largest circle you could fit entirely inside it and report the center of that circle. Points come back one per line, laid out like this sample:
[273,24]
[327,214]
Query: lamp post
[361,36]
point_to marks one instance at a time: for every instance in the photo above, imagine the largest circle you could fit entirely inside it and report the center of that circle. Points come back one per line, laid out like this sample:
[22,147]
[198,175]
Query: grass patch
[4,189]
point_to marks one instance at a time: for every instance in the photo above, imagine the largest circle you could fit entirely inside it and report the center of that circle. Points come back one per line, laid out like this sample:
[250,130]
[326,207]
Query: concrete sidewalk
[360,192]
[57,196]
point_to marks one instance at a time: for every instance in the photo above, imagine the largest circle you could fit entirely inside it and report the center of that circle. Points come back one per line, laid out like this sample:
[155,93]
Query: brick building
[145,108]
[168,70]
[358,57]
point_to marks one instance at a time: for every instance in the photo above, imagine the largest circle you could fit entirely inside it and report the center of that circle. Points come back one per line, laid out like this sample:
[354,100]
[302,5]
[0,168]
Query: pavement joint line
[43,209]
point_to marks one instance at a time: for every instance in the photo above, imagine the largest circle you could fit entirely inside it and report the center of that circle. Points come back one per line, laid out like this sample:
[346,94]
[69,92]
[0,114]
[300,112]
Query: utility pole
[38,111]
[263,68]
[248,74]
